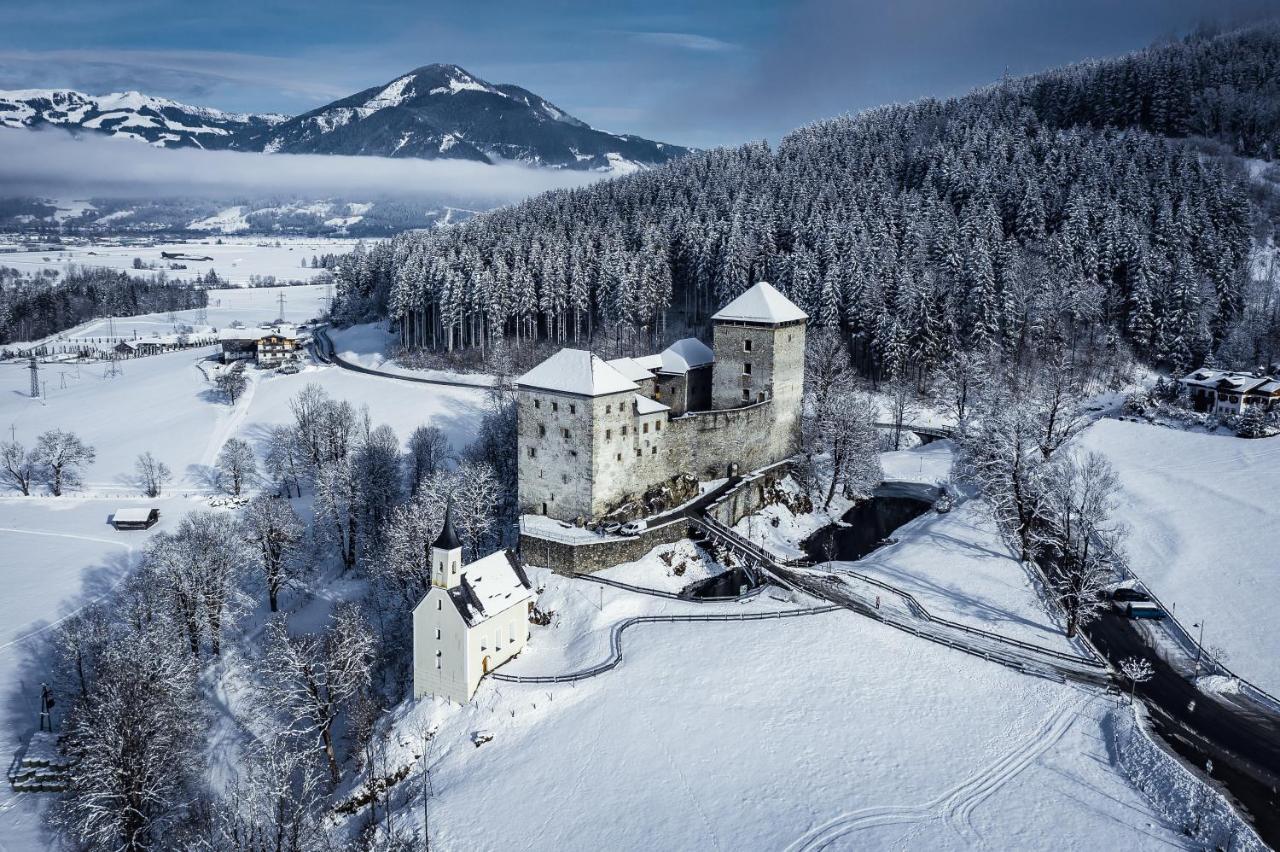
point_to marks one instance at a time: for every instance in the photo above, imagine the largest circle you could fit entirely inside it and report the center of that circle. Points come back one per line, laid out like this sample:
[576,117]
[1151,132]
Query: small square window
[437,635]
[746,345]
[573,409]
[608,434]
[537,403]
[619,456]
[439,604]
[565,433]
[608,409]
[542,430]
[639,453]
[645,429]
[657,426]
[555,406]
[624,431]
[438,659]
[653,451]
[746,368]
[573,454]
[533,452]
[746,395]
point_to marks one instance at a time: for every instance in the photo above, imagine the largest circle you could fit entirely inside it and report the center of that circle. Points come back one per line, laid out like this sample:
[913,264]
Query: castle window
[573,409]
[542,430]
[646,428]
[657,426]
[760,397]
[746,368]
[565,432]
[653,451]
[537,403]
[639,452]
[564,479]
[746,345]
[746,395]
[438,657]
[573,453]
[439,604]
[619,456]
[533,452]
[608,409]
[624,431]
[555,406]
[608,434]
[437,632]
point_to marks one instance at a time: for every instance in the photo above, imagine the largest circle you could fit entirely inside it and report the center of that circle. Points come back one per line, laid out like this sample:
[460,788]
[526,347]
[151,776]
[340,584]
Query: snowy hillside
[131,115]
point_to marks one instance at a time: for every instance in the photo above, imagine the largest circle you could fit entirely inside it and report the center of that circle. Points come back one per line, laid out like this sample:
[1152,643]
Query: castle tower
[446,554]
[759,344]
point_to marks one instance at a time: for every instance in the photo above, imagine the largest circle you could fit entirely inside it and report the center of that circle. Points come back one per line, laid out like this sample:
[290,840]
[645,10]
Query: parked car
[635,527]
[1144,609]
[289,368]
[1135,603]
[610,528]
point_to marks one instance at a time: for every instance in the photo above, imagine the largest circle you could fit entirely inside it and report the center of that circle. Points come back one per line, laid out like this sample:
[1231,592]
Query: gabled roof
[683,355]
[1230,382]
[579,372]
[644,405]
[631,368]
[762,304]
[132,514]
[490,586]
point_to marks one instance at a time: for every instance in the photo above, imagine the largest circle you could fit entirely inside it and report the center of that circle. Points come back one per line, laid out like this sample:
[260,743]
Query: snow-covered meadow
[233,258]
[822,731]
[1203,514]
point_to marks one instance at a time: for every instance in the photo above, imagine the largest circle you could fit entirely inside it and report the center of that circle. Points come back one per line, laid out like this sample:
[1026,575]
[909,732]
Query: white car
[635,527]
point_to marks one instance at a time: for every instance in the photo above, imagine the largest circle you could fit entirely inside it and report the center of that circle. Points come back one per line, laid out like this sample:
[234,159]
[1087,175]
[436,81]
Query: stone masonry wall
[559,473]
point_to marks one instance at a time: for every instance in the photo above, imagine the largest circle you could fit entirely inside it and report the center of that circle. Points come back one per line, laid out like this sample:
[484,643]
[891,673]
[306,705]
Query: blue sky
[699,73]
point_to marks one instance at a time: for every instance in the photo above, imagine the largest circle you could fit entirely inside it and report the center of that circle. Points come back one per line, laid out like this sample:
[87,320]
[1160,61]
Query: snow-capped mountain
[133,115]
[443,112]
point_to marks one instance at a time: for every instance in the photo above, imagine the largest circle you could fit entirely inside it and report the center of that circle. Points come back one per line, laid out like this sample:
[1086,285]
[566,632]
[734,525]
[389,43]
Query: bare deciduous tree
[62,454]
[428,447]
[313,678]
[1137,670]
[273,530]
[237,465]
[153,474]
[19,466]
[232,384]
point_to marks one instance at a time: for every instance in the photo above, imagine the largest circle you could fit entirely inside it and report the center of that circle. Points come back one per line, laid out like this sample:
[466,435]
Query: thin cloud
[55,163]
[684,41]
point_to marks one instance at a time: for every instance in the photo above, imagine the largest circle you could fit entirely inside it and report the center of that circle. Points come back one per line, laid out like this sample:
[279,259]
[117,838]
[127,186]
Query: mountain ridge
[437,111]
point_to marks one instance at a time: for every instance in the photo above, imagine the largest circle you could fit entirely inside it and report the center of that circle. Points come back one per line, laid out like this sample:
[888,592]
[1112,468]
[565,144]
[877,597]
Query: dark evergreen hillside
[34,307]
[1002,219]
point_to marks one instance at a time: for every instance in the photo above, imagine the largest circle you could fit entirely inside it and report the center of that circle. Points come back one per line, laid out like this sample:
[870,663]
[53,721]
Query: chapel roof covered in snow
[579,372]
[490,586]
[761,304]
[686,354]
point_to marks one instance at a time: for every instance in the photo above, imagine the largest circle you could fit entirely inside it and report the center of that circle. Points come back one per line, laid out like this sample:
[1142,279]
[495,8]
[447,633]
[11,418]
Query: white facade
[474,619]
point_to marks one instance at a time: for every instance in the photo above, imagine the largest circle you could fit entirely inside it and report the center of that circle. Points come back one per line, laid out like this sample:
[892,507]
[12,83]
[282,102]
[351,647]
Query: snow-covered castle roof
[762,304]
[577,371]
[685,354]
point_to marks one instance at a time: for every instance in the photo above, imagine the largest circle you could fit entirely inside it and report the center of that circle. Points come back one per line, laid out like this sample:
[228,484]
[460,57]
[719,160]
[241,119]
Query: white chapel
[474,618]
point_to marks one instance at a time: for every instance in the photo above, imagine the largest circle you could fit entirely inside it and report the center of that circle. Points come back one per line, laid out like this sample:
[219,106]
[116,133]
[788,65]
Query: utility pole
[281,314]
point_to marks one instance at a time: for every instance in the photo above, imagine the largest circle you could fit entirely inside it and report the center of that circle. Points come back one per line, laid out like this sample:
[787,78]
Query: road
[323,350]
[1240,737]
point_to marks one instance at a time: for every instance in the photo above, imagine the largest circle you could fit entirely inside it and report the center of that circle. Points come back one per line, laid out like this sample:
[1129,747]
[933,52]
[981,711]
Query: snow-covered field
[165,405]
[235,259]
[371,345]
[814,732]
[1203,513]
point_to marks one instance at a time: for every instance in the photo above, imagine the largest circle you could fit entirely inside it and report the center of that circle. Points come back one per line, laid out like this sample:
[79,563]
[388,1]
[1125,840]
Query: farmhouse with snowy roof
[1224,392]
[595,435]
[474,618]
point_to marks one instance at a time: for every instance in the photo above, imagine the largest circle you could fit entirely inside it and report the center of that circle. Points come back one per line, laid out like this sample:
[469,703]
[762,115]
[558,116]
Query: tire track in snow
[128,548]
[955,806]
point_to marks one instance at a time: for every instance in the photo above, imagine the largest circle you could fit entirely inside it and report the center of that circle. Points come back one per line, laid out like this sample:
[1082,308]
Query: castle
[594,434]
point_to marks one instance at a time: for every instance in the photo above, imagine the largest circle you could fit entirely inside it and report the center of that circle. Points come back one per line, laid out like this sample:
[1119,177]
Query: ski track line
[956,805]
[228,426]
[128,550]
[684,779]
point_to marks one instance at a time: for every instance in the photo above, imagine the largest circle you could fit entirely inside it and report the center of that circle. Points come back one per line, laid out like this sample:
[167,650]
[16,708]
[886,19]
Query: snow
[392,95]
[235,259]
[576,371]
[645,405]
[496,585]
[822,731]
[228,221]
[762,303]
[656,569]
[369,345]
[631,368]
[1203,514]
[685,354]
